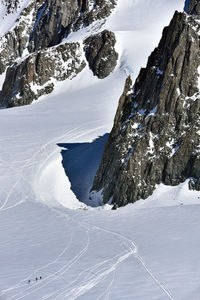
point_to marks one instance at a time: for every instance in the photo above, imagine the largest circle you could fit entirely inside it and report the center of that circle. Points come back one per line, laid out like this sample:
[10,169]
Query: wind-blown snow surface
[146,251]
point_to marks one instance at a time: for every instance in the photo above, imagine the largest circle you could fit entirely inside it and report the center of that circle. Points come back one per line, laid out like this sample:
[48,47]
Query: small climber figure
[40,277]
[36,279]
[29,281]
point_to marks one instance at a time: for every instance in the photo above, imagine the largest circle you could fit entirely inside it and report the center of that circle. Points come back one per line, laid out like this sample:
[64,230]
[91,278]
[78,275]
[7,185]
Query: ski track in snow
[69,135]
[36,156]
[99,271]
[55,275]
[83,288]
[97,278]
[106,294]
[88,283]
[134,249]
[23,282]
[25,172]
[89,273]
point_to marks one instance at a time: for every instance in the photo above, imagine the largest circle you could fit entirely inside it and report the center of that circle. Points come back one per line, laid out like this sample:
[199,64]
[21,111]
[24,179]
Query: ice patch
[152,112]
[159,72]
[178,91]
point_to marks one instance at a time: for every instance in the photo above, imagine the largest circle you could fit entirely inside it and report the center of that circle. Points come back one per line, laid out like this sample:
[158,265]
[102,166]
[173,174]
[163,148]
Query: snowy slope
[145,251]
[8,20]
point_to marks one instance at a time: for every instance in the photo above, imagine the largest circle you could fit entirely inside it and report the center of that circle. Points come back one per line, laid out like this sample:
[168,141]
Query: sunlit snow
[145,251]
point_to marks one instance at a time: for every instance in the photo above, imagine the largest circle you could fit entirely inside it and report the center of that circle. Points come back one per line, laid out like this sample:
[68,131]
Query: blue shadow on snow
[80,162]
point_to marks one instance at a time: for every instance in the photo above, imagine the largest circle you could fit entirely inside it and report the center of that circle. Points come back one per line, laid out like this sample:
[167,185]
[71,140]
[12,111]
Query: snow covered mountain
[144,251]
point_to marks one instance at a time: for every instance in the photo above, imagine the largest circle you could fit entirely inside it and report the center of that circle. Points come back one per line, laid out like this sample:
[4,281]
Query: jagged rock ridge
[156,132]
[44,24]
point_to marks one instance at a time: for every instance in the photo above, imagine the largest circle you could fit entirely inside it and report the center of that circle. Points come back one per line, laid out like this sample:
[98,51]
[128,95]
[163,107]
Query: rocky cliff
[192,7]
[156,132]
[35,75]
[38,42]
[56,19]
[100,53]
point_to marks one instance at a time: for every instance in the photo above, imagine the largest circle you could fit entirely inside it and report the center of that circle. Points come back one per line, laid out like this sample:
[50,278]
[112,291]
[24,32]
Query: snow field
[145,251]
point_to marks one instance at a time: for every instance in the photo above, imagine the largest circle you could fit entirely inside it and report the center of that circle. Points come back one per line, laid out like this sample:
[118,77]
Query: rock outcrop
[100,53]
[44,24]
[56,19]
[34,55]
[11,5]
[31,77]
[15,41]
[35,75]
[156,132]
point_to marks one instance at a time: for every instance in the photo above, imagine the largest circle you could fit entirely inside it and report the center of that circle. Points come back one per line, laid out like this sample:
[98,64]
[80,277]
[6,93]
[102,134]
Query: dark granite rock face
[52,23]
[156,132]
[100,53]
[29,53]
[56,19]
[97,10]
[33,77]
[44,24]
[192,7]
[15,41]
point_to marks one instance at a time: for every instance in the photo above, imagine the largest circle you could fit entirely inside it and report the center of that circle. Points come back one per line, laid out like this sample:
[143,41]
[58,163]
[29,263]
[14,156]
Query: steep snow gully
[81,251]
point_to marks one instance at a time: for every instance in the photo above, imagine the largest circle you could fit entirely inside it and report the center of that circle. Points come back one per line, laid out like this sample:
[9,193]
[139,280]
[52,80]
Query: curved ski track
[89,277]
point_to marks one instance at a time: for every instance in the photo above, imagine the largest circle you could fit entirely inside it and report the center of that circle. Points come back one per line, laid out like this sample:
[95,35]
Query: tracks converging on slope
[89,277]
